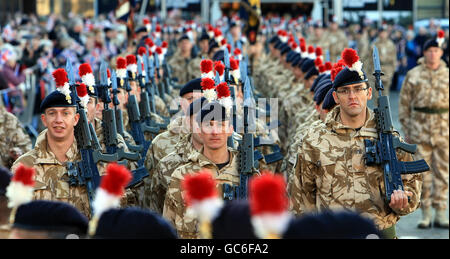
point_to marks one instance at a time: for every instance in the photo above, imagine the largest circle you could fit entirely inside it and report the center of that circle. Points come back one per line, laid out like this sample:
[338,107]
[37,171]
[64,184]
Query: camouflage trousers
[435,181]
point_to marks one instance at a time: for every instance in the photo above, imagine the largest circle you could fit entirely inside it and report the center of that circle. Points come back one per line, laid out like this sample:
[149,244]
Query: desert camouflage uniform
[321,41]
[164,169]
[193,68]
[331,173]
[162,145]
[296,142]
[174,207]
[388,61]
[13,137]
[178,66]
[425,88]
[337,42]
[160,107]
[51,178]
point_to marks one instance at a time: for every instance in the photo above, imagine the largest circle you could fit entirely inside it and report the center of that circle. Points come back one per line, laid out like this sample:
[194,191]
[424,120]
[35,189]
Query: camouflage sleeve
[158,190]
[305,172]
[161,107]
[404,109]
[173,203]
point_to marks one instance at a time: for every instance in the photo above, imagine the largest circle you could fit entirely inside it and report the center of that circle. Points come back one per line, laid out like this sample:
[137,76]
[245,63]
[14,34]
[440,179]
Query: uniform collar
[48,156]
[334,122]
[202,160]
[442,65]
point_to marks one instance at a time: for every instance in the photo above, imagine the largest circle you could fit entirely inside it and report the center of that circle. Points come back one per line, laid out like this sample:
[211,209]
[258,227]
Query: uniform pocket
[62,190]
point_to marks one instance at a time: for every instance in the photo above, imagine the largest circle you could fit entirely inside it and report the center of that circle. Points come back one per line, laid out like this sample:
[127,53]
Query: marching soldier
[423,113]
[337,40]
[187,145]
[164,143]
[331,173]
[215,155]
[55,146]
[180,60]
[388,59]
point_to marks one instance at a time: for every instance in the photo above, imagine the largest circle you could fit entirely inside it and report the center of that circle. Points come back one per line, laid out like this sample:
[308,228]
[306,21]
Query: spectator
[412,51]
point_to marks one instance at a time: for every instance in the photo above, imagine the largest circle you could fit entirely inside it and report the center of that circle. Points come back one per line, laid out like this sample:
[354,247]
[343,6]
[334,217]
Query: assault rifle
[85,171]
[383,150]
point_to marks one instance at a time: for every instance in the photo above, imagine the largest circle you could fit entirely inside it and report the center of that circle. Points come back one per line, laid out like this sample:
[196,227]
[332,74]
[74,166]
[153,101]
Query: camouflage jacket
[164,169]
[178,66]
[164,143]
[174,207]
[337,43]
[331,173]
[13,137]
[51,178]
[425,88]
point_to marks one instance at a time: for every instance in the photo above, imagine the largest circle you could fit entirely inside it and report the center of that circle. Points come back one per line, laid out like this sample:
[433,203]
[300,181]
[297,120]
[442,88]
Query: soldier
[423,113]
[187,145]
[337,40]
[165,142]
[331,173]
[215,155]
[180,59]
[15,142]
[55,146]
[388,59]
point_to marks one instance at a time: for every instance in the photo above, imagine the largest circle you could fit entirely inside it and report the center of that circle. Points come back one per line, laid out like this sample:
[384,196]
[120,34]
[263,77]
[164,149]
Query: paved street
[407,226]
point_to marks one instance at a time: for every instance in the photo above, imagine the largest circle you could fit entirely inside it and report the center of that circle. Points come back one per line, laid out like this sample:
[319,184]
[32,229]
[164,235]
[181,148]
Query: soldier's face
[214,134]
[195,129]
[91,109]
[433,55]
[355,102]
[204,46]
[60,122]
[310,81]
[297,72]
[98,110]
[188,98]
[122,96]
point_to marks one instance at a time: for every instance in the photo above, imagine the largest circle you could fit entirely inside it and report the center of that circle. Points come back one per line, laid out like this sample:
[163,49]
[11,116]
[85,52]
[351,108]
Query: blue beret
[331,225]
[204,36]
[233,221]
[430,43]
[311,72]
[140,29]
[196,105]
[183,37]
[212,111]
[328,101]
[322,91]
[285,49]
[54,216]
[348,77]
[318,80]
[191,86]
[307,64]
[56,99]
[5,179]
[290,56]
[274,39]
[133,223]
[279,45]
[295,59]
[219,55]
